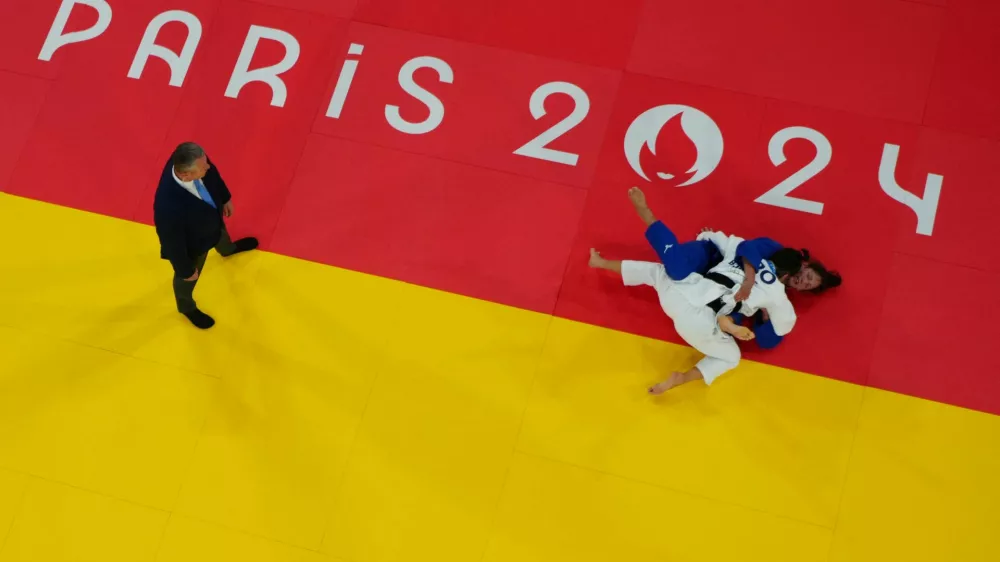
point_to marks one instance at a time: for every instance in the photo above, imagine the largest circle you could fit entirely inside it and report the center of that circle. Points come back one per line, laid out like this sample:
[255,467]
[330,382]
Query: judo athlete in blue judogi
[709,285]
[681,259]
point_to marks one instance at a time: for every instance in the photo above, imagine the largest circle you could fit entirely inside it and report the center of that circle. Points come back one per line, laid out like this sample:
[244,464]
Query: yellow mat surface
[331,415]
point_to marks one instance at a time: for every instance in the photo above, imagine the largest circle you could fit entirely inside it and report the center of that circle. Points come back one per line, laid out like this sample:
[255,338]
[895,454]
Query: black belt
[720,279]
[726,282]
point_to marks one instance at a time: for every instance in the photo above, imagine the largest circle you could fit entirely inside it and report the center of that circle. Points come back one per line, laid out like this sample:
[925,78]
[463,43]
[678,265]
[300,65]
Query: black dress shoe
[200,319]
[245,245]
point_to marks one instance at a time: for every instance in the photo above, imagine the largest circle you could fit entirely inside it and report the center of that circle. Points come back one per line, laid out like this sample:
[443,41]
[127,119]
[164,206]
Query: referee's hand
[193,277]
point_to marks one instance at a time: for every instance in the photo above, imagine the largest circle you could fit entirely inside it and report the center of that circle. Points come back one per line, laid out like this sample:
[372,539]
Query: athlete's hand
[744,292]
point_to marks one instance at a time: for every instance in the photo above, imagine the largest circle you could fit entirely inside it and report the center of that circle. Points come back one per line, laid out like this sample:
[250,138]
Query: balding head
[190,162]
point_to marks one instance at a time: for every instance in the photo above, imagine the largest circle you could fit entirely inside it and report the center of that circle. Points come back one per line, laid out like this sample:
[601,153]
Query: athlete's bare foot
[666,385]
[743,333]
[676,379]
[596,260]
[730,327]
[638,198]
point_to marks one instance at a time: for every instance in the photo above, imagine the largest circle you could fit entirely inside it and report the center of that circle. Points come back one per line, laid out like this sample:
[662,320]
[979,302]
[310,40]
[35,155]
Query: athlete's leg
[697,325]
[634,273]
[598,262]
[709,368]
[680,259]
[677,378]
[638,199]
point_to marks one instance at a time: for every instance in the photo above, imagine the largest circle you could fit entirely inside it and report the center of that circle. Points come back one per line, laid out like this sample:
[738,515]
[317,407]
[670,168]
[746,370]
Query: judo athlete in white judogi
[700,305]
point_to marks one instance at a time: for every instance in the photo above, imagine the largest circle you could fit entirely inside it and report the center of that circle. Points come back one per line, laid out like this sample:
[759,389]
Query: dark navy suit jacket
[187,226]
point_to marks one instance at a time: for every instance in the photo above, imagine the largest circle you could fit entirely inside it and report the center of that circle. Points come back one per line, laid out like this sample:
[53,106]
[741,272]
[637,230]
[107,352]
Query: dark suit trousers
[184,290]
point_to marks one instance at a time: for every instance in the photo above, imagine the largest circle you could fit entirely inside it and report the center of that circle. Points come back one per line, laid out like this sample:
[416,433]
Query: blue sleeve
[757,250]
[766,337]
[764,333]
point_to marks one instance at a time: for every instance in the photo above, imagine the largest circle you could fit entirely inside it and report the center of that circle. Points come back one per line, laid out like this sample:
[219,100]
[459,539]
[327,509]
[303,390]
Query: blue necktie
[205,196]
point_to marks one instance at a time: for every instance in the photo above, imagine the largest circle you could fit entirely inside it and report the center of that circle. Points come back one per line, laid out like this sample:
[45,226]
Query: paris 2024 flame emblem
[700,129]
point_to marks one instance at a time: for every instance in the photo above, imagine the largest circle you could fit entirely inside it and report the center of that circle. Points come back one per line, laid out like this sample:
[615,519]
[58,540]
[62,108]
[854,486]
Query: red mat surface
[592,32]
[916,327]
[456,227]
[480,148]
[485,109]
[874,57]
[21,99]
[963,95]
[256,143]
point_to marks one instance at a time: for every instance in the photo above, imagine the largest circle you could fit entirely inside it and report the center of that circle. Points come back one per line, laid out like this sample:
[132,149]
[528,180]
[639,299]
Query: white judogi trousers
[695,324]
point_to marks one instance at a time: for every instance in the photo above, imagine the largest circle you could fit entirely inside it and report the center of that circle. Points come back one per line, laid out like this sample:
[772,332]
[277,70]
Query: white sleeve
[782,316]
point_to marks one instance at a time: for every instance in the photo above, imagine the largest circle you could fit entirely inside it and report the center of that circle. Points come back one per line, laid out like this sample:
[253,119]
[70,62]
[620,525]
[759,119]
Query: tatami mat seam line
[671,489]
[517,437]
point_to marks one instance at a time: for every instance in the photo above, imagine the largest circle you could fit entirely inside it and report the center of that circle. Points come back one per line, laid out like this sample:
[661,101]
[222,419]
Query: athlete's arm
[757,250]
[781,317]
[753,252]
[749,278]
[762,328]
[766,337]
